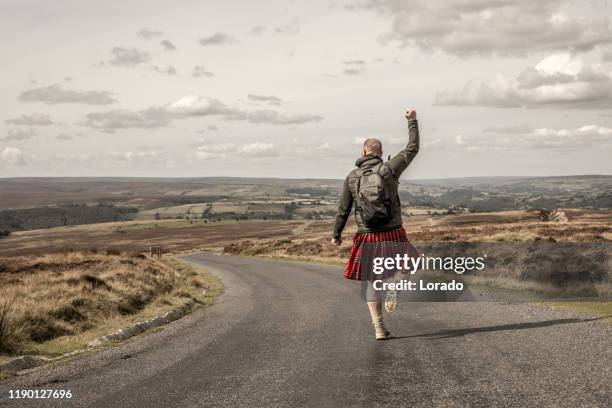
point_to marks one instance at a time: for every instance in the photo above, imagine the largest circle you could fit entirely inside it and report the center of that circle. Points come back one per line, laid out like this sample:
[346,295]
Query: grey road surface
[288,334]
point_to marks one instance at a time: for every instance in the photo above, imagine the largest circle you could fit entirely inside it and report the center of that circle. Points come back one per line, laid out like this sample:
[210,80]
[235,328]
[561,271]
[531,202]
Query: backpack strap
[358,174]
[385,189]
[378,167]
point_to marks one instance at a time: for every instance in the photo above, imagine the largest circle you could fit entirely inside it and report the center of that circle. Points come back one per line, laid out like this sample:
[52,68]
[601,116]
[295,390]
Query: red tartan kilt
[367,245]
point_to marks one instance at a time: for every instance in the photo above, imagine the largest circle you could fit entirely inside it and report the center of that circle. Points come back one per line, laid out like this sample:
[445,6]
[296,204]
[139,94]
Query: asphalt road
[288,334]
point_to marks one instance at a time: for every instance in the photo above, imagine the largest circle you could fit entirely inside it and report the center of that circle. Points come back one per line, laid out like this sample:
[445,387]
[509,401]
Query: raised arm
[344,210]
[400,161]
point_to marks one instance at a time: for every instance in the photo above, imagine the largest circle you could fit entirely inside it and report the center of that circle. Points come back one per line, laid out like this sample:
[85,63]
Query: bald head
[372,146]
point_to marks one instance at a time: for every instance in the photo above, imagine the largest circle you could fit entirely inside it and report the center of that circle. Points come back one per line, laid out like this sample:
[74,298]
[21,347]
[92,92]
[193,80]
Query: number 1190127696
[39,394]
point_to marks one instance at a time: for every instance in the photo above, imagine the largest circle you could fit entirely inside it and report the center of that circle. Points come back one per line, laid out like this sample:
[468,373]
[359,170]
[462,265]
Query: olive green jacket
[390,172]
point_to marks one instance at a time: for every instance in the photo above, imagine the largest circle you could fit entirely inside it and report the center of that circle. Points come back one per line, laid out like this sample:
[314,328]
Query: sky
[292,88]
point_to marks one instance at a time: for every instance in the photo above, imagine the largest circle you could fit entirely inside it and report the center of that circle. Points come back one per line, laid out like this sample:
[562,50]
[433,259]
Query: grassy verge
[598,309]
[60,302]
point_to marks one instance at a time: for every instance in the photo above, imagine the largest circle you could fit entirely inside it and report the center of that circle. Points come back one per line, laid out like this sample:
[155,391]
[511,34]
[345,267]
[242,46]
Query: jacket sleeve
[400,161]
[344,209]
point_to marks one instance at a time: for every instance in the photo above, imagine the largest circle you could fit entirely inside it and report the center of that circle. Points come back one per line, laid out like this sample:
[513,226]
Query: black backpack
[373,201]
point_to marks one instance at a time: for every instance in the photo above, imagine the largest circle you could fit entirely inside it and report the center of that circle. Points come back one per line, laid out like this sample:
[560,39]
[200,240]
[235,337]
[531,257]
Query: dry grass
[172,235]
[556,269]
[187,235]
[68,294]
[9,331]
[603,309]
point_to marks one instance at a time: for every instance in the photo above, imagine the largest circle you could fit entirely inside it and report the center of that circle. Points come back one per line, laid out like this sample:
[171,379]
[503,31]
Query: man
[373,188]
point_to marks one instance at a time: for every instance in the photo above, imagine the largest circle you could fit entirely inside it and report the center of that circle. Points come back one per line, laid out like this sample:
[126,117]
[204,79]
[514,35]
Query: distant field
[174,211]
[149,193]
[172,235]
[65,215]
[475,194]
[210,210]
[186,234]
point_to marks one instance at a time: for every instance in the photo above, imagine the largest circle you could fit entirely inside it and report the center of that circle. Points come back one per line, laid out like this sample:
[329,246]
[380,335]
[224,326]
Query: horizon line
[296,178]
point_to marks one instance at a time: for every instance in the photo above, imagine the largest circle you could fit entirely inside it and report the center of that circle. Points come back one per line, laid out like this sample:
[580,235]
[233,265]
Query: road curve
[290,334]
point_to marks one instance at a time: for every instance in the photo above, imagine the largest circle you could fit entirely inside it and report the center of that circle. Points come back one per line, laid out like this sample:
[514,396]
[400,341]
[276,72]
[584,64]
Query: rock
[554,215]
[140,327]
[23,363]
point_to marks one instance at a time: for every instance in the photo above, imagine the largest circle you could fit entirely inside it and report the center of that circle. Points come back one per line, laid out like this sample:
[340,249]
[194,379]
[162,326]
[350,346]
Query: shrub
[9,332]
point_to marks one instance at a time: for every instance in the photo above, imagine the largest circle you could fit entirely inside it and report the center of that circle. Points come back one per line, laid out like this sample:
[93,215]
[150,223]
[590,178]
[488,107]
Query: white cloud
[271,117]
[217,39]
[513,129]
[354,67]
[292,28]
[20,134]
[353,71]
[200,70]
[432,144]
[317,151]
[128,57]
[147,33]
[169,70]
[125,119]
[168,45]
[257,30]
[195,105]
[40,119]
[258,150]
[189,106]
[55,94]
[72,159]
[269,99]
[12,156]
[559,80]
[114,159]
[219,151]
[505,139]
[505,27]
[148,156]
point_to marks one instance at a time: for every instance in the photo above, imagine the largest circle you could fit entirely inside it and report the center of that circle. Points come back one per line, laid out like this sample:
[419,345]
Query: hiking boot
[381,332]
[391,301]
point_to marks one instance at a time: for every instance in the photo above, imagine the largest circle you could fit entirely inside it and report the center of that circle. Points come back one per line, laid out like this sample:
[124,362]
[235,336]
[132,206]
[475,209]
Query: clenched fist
[410,114]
